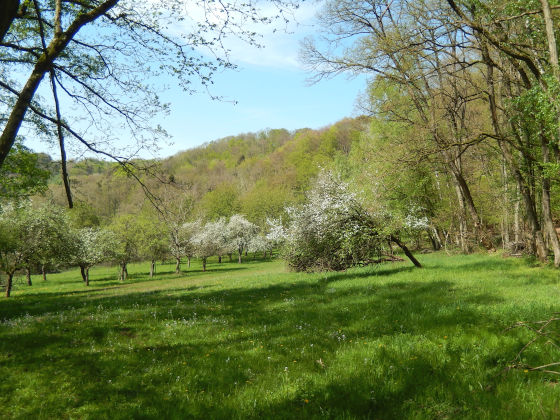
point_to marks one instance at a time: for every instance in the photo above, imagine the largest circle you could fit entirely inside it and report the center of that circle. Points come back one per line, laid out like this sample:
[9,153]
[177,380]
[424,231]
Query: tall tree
[517,44]
[72,43]
[12,234]
[240,232]
[417,47]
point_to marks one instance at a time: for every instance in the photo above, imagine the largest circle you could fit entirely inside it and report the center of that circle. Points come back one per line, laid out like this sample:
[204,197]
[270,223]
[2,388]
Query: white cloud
[278,42]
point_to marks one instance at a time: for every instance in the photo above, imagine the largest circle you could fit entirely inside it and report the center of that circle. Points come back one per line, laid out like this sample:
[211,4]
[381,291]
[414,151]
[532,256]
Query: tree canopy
[102,58]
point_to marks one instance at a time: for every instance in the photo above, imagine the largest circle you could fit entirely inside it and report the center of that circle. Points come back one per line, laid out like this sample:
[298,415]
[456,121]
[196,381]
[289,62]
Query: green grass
[254,341]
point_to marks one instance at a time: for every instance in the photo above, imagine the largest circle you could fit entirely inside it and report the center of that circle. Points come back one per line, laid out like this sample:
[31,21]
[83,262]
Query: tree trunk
[203,264]
[406,251]
[83,273]
[537,238]
[9,284]
[28,276]
[63,165]
[219,259]
[551,39]
[463,239]
[8,12]
[42,66]
[480,234]
[177,265]
[432,240]
[19,109]
[124,272]
[44,272]
[152,268]
[240,253]
[516,218]
[553,57]
[87,276]
[436,246]
[230,257]
[188,261]
[546,210]
[505,213]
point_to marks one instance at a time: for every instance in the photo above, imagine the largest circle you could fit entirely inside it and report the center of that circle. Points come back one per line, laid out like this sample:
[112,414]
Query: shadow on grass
[189,352]
[477,264]
[385,269]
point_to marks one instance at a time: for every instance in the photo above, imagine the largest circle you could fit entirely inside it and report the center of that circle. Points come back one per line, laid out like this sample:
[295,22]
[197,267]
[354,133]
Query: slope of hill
[257,174]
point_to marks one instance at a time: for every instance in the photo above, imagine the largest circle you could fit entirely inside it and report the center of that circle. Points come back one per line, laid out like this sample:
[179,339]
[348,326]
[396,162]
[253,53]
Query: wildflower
[306,401]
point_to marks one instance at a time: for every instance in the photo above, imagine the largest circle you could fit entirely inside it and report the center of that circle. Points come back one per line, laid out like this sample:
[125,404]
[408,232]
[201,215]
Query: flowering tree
[221,238]
[332,231]
[31,236]
[92,246]
[178,243]
[206,242]
[127,232]
[153,239]
[46,237]
[276,235]
[240,232]
[416,222]
[12,258]
[259,243]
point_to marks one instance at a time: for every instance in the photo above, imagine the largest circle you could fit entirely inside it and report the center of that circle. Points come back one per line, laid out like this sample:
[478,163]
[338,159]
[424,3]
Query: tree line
[330,230]
[461,87]
[49,237]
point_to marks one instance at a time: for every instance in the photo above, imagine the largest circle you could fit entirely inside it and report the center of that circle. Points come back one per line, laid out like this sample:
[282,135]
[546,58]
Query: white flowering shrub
[93,246]
[207,241]
[331,231]
[415,220]
[259,243]
[221,236]
[180,244]
[240,231]
[277,234]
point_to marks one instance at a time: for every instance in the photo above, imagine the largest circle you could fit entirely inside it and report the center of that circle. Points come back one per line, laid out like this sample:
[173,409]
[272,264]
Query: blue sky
[269,89]
[266,97]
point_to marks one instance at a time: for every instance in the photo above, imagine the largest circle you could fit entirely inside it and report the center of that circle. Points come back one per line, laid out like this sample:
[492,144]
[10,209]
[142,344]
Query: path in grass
[251,340]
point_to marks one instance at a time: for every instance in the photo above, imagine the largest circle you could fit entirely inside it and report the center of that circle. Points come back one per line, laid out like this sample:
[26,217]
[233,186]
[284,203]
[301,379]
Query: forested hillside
[259,175]
[256,174]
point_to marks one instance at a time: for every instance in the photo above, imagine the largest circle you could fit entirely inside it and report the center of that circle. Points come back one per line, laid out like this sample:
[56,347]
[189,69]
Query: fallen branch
[543,332]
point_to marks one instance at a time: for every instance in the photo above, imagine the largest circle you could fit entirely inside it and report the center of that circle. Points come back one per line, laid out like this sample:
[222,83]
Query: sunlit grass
[254,341]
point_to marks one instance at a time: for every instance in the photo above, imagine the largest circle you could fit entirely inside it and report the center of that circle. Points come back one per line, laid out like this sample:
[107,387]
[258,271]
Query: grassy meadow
[256,341]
